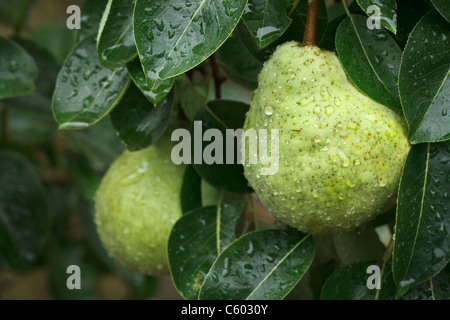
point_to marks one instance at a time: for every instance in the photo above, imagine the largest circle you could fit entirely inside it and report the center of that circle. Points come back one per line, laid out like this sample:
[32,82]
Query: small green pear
[137,204]
[341,154]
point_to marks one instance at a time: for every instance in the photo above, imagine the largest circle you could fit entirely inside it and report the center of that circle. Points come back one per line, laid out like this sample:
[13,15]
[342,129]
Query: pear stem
[309,37]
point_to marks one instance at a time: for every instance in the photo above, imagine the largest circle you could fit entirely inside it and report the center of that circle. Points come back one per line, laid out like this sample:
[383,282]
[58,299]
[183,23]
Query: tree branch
[309,37]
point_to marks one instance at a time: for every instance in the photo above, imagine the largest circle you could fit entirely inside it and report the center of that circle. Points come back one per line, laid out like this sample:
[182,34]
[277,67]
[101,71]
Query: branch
[216,75]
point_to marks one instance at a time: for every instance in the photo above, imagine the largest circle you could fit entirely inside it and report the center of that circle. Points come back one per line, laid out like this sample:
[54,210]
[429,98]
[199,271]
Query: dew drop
[315,193]
[307,123]
[307,101]
[337,102]
[268,110]
[329,110]
[341,196]
[317,110]
[324,93]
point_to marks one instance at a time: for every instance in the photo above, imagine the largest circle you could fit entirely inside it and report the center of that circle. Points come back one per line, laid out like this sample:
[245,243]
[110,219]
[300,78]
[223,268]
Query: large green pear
[137,204]
[341,154]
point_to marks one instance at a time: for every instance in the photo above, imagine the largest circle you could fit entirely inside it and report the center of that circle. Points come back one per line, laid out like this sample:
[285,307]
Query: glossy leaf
[156,95]
[220,115]
[371,58]
[422,240]
[266,20]
[437,288]
[24,211]
[443,7]
[115,42]
[196,240]
[191,191]
[381,11]
[191,100]
[137,121]
[424,80]
[17,70]
[244,67]
[350,283]
[408,14]
[91,15]
[85,91]
[172,38]
[261,265]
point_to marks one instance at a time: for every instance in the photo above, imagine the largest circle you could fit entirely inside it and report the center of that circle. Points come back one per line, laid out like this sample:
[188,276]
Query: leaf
[40,99]
[383,10]
[244,67]
[261,265]
[266,20]
[424,80]
[197,238]
[422,241]
[408,14]
[172,38]
[350,283]
[218,171]
[17,70]
[91,15]
[191,100]
[24,211]
[115,42]
[85,91]
[443,7]
[156,95]
[191,193]
[137,121]
[436,288]
[371,59]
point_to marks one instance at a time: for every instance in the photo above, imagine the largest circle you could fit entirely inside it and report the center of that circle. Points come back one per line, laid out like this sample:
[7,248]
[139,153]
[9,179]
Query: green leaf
[40,99]
[371,58]
[85,91]
[24,211]
[172,38]
[350,283]
[91,15]
[156,95]
[408,14]
[443,7]
[17,70]
[424,80]
[191,100]
[191,191]
[244,67]
[137,121]
[422,241]
[436,288]
[221,115]
[266,20]
[261,265]
[384,10]
[196,240]
[115,42]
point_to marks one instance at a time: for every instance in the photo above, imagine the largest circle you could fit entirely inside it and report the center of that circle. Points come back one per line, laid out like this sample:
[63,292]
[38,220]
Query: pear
[341,154]
[137,204]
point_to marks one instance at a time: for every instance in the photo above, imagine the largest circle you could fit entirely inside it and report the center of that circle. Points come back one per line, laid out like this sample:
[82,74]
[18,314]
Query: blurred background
[68,165]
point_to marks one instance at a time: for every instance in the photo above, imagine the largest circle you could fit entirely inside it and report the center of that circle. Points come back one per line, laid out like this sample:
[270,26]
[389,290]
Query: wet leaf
[137,121]
[422,241]
[261,265]
[437,288]
[24,211]
[196,240]
[191,191]
[86,91]
[156,95]
[115,42]
[266,20]
[424,80]
[443,7]
[381,11]
[91,15]
[210,157]
[17,70]
[172,38]
[371,58]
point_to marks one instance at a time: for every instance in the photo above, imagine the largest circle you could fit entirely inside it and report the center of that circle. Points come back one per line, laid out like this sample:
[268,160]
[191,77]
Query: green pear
[137,204]
[341,154]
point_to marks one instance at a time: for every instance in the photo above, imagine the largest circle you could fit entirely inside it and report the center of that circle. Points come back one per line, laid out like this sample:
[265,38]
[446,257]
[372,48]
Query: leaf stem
[309,37]
[18,23]
[386,257]
[216,75]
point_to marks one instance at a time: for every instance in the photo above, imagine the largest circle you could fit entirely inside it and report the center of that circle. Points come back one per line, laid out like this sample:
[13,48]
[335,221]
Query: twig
[4,114]
[217,79]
